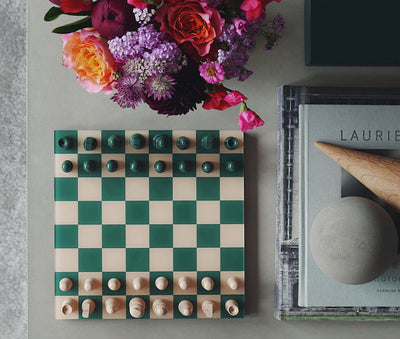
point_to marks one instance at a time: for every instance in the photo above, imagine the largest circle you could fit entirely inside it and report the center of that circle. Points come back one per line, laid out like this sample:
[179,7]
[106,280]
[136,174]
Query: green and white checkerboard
[139,224]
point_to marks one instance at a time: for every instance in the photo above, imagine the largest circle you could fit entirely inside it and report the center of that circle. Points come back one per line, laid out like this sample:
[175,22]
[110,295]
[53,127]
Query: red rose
[255,8]
[141,4]
[216,100]
[75,6]
[191,21]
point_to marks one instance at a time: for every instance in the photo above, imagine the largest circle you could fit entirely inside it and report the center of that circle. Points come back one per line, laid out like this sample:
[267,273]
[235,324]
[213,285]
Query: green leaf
[53,13]
[73,27]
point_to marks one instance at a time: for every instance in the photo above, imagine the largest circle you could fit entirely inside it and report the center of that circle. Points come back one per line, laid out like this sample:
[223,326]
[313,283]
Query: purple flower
[129,92]
[240,25]
[160,87]
[212,72]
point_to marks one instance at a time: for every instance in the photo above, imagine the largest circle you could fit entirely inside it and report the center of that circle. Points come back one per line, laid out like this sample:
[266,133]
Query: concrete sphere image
[353,240]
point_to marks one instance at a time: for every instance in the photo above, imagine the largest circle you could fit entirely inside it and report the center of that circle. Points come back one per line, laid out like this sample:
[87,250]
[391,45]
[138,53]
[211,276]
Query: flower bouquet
[169,54]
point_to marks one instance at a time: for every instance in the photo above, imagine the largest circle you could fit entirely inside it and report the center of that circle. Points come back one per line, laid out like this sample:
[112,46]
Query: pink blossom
[255,8]
[240,25]
[212,72]
[234,98]
[249,120]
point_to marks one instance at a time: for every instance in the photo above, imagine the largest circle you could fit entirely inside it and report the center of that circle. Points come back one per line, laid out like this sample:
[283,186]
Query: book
[292,99]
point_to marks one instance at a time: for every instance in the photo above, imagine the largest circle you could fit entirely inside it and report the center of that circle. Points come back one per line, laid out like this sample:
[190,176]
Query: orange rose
[89,56]
[191,21]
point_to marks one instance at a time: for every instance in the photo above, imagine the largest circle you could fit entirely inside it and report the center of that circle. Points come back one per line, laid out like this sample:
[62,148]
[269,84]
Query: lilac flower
[212,72]
[160,87]
[279,22]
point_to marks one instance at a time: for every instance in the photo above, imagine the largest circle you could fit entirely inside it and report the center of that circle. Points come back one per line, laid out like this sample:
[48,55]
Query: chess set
[149,224]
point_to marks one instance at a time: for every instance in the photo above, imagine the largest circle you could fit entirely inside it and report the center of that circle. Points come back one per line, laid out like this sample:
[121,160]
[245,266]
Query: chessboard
[149,224]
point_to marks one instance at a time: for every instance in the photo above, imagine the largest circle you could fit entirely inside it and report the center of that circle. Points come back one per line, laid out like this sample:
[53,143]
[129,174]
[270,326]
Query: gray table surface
[56,101]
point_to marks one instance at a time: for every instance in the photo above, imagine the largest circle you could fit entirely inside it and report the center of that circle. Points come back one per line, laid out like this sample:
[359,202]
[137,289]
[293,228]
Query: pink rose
[255,8]
[240,25]
[234,98]
[249,120]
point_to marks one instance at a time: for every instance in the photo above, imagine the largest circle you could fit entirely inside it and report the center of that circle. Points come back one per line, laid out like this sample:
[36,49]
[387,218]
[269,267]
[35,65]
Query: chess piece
[207,167]
[183,143]
[114,284]
[89,144]
[184,166]
[114,141]
[88,307]
[160,307]
[89,166]
[380,174]
[160,142]
[208,307]
[112,305]
[138,283]
[137,141]
[232,166]
[231,143]
[185,307]
[111,165]
[232,307]
[161,283]
[135,166]
[207,283]
[160,166]
[65,284]
[183,282]
[67,166]
[89,284]
[137,306]
[208,142]
[67,306]
[233,283]
[65,143]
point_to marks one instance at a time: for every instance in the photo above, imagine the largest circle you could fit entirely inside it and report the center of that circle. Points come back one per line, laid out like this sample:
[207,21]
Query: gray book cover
[375,128]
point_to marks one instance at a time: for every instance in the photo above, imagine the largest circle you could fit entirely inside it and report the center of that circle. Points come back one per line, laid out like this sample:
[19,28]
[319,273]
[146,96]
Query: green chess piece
[67,166]
[65,143]
[208,142]
[207,167]
[111,165]
[114,141]
[135,166]
[89,166]
[232,166]
[137,141]
[183,143]
[89,144]
[231,143]
[160,142]
[160,166]
[184,166]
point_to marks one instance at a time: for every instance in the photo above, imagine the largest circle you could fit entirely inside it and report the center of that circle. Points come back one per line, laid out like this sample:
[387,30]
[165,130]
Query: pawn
[207,167]
[89,166]
[112,305]
[138,283]
[185,307]
[135,166]
[183,283]
[183,166]
[137,141]
[114,141]
[160,142]
[65,284]
[137,307]
[67,166]
[160,307]
[208,142]
[67,306]
[232,307]
[89,285]
[208,307]
[114,284]
[233,283]
[183,143]
[65,143]
[88,307]
[231,143]
[232,166]
[207,283]
[111,166]
[89,144]
[160,166]
[161,283]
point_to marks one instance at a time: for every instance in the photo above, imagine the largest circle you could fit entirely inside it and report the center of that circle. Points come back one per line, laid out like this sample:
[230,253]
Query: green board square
[232,212]
[75,282]
[137,259]
[208,235]
[237,158]
[146,299]
[60,134]
[208,188]
[190,161]
[178,299]
[154,133]
[97,162]
[89,212]
[232,259]
[239,298]
[121,276]
[142,159]
[184,212]
[160,188]
[98,308]
[137,212]
[105,148]
[113,189]
[154,290]
[113,236]
[90,259]
[215,276]
[161,236]
[185,259]
[65,189]
[203,133]
[66,236]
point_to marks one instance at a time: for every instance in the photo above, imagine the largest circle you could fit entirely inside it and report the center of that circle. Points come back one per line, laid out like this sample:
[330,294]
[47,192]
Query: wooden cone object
[379,174]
